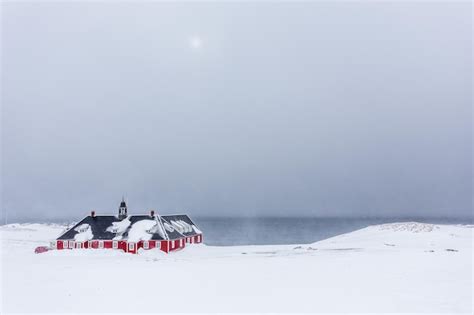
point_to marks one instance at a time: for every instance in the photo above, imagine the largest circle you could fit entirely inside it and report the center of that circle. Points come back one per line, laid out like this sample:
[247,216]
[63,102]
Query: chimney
[152,213]
[93,213]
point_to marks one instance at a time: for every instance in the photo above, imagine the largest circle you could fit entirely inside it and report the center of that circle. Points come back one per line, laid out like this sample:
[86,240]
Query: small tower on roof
[122,210]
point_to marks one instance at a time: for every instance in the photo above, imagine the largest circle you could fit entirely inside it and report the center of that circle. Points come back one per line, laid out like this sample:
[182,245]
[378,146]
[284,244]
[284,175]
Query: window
[89,244]
[64,244]
[181,242]
[71,244]
[131,246]
[101,244]
[145,245]
[78,244]
[115,244]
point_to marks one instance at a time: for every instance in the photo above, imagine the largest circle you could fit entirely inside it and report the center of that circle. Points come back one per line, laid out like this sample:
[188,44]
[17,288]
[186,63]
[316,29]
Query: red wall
[166,246]
[122,245]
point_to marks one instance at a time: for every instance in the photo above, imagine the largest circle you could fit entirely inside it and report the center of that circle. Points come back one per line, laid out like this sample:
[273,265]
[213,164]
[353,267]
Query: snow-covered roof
[141,230]
[84,233]
[133,228]
[182,223]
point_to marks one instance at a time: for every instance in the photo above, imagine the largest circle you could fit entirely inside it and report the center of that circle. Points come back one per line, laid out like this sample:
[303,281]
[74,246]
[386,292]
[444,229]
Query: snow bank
[84,233]
[141,230]
[378,269]
[414,227]
[405,235]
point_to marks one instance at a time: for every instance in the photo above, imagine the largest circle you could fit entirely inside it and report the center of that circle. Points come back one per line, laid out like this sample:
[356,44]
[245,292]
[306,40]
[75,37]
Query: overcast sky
[270,108]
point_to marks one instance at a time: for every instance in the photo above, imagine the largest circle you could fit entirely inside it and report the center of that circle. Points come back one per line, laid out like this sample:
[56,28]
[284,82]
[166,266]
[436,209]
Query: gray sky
[239,108]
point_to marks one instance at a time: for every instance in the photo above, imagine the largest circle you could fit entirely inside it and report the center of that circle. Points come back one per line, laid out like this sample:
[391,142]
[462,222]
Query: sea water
[297,230]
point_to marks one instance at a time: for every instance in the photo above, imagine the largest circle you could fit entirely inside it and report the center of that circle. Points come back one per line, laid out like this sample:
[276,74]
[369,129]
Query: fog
[237,109]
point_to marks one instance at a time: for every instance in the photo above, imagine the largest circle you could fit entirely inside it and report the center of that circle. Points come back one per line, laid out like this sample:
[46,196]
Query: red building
[130,233]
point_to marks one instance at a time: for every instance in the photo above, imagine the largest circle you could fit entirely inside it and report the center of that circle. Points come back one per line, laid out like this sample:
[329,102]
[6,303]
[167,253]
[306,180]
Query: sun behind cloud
[195,42]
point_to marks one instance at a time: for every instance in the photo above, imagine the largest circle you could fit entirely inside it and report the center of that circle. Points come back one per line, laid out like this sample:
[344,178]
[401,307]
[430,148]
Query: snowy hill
[408,235]
[401,267]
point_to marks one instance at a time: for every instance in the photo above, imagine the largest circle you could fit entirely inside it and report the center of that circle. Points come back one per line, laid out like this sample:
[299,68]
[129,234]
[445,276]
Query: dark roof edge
[169,215]
[74,226]
[139,214]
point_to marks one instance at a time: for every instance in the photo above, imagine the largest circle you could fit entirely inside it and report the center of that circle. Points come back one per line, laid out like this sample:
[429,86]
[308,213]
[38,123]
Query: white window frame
[101,244]
[78,245]
[115,244]
[65,244]
[181,242]
[89,244]
[131,246]
[71,244]
[146,245]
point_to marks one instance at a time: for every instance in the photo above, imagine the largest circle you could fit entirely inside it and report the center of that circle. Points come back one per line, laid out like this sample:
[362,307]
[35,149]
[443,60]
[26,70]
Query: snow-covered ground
[403,267]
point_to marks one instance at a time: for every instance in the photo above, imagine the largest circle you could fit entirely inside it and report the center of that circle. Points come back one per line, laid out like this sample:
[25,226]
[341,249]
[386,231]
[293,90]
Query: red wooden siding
[122,245]
[165,245]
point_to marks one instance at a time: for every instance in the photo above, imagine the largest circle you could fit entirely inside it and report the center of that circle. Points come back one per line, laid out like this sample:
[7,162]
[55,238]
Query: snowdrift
[401,267]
